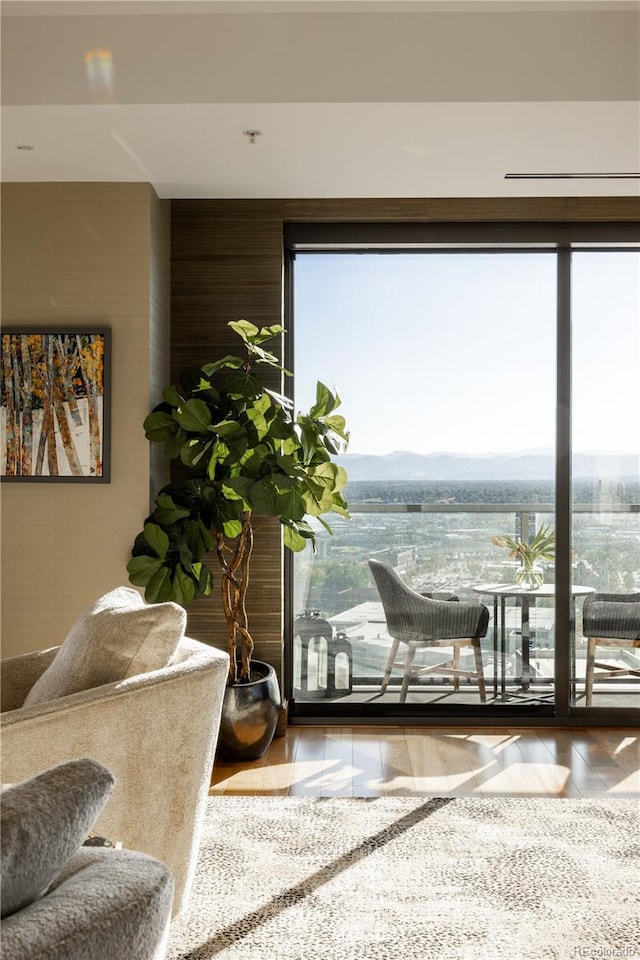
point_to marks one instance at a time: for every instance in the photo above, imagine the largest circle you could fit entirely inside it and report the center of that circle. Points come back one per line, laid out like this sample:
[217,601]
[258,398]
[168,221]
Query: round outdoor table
[526,597]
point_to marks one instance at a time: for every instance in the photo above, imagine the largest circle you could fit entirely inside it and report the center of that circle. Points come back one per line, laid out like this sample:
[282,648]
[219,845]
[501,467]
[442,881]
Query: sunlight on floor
[370,762]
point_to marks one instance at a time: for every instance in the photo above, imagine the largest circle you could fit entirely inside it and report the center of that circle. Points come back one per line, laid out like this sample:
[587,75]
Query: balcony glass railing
[448,547]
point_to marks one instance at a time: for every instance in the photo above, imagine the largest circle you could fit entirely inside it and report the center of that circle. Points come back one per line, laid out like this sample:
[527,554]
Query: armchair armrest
[92,909]
[445,620]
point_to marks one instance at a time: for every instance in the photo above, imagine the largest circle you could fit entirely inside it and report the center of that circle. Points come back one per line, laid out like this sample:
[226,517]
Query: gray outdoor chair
[609,620]
[423,621]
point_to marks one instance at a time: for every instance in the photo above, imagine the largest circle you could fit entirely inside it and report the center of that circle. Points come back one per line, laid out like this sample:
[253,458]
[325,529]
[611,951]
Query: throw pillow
[43,821]
[119,636]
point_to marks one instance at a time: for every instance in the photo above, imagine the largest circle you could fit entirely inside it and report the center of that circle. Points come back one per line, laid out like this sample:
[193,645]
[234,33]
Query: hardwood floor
[418,761]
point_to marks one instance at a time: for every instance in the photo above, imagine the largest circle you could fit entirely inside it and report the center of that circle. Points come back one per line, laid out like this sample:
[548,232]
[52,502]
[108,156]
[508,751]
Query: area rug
[297,878]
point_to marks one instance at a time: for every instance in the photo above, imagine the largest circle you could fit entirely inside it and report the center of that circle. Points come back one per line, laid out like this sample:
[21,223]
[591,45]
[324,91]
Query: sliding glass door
[605,487]
[452,385]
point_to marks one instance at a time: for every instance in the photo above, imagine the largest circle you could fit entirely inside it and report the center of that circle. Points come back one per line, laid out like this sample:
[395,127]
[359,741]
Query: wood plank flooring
[418,761]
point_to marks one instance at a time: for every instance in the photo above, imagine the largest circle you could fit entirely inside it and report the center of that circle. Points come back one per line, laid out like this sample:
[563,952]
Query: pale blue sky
[456,352]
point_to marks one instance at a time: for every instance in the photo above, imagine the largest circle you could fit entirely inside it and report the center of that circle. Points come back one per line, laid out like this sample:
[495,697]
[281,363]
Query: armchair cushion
[43,822]
[120,636]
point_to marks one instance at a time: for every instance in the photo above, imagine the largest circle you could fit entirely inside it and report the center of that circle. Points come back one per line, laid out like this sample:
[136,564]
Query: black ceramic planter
[250,713]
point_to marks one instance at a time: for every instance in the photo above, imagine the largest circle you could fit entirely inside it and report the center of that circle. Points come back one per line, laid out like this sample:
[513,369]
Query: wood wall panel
[466,210]
[227,263]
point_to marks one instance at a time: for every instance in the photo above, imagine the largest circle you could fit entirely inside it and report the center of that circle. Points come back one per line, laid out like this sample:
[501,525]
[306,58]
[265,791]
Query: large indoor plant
[246,455]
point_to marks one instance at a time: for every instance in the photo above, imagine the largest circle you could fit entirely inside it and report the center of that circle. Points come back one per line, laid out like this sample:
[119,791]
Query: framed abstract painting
[54,404]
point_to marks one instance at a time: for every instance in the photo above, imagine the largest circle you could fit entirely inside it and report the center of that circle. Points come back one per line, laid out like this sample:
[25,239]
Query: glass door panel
[606,477]
[446,365]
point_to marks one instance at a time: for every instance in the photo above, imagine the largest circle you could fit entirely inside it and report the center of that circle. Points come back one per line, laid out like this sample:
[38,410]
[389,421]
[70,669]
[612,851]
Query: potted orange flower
[530,573]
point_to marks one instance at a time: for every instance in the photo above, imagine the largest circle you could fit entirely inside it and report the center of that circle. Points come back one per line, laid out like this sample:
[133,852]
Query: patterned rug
[297,878]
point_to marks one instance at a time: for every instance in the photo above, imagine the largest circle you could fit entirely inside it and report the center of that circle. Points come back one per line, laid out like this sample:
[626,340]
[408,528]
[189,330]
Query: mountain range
[523,465]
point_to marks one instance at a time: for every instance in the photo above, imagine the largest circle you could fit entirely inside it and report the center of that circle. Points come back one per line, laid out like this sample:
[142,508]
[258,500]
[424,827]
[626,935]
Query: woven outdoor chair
[423,621]
[609,620]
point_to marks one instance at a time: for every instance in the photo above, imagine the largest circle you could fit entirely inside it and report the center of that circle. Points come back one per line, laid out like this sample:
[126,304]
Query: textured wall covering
[81,253]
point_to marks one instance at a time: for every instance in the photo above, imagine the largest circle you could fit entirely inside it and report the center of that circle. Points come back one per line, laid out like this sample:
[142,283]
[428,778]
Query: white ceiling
[401,98]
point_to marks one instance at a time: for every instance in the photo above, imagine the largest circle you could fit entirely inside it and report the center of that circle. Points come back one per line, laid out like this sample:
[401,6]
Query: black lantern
[316,654]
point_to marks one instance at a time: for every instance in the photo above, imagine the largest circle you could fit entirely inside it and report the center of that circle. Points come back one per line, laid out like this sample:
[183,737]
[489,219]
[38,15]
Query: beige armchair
[156,732]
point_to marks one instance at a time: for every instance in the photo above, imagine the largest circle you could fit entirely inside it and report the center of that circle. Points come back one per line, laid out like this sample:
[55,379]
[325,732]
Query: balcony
[447,547]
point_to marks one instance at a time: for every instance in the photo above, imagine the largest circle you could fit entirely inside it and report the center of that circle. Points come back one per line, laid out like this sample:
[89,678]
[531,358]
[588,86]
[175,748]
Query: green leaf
[166,512]
[194,416]
[156,538]
[293,540]
[245,329]
[140,547]
[260,355]
[291,504]
[309,440]
[325,525]
[329,475]
[205,579]
[142,569]
[185,554]
[281,401]
[184,584]
[226,428]
[337,424]
[237,488]
[325,473]
[339,506]
[258,420]
[305,528]
[325,402]
[198,538]
[172,448]
[217,451]
[160,426]
[245,387]
[231,528]
[263,403]
[235,440]
[265,497]
[317,500]
[172,396]
[252,335]
[207,393]
[228,362]
[193,451]
[160,587]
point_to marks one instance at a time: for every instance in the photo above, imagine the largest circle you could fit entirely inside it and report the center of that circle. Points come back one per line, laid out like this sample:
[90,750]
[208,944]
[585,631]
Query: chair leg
[389,666]
[456,668]
[411,652]
[591,664]
[477,651]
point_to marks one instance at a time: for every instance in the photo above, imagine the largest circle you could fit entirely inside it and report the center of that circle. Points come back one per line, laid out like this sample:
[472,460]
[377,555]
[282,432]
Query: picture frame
[55,398]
